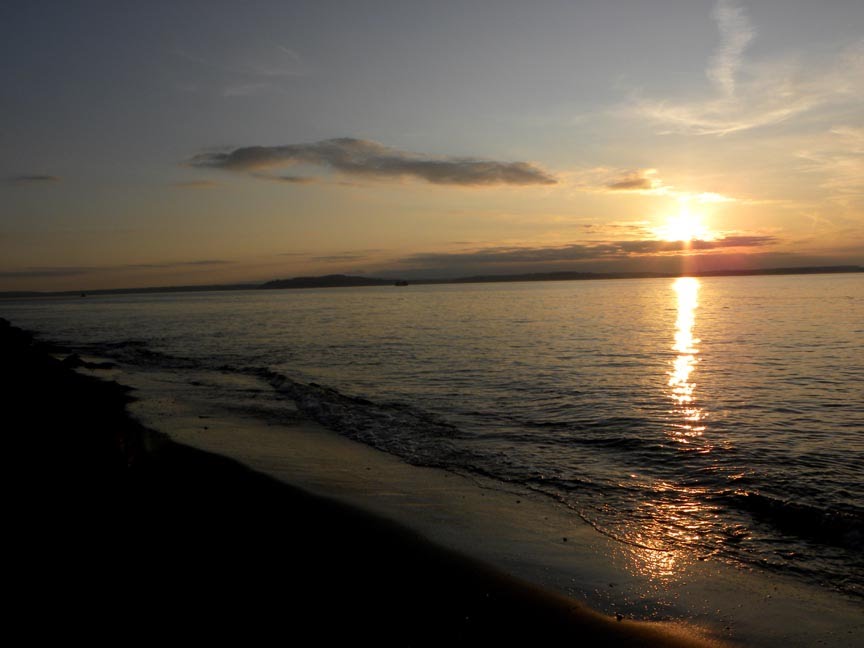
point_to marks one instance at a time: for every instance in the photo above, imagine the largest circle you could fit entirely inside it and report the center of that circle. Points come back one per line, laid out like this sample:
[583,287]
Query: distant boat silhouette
[401,283]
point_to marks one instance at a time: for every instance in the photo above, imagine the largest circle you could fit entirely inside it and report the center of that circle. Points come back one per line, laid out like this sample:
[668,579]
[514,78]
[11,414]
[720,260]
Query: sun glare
[685,227]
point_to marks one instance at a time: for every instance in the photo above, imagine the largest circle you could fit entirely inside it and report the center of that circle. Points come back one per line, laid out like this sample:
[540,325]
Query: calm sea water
[717,419]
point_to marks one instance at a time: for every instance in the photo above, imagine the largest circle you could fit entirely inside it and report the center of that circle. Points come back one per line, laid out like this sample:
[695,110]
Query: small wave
[417,436]
[835,527]
[112,346]
[138,353]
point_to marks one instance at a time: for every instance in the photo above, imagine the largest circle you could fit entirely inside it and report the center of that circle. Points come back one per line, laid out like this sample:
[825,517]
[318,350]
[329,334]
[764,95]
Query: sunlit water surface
[716,418]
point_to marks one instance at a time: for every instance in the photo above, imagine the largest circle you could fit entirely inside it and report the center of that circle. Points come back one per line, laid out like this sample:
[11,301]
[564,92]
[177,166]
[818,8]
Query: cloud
[624,228]
[368,159]
[32,179]
[196,184]
[289,179]
[630,184]
[655,247]
[340,257]
[174,264]
[839,159]
[646,182]
[40,272]
[755,95]
[606,179]
[248,70]
[639,180]
[736,33]
[581,252]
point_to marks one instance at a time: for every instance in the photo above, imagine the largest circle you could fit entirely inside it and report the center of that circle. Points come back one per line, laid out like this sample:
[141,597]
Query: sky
[187,142]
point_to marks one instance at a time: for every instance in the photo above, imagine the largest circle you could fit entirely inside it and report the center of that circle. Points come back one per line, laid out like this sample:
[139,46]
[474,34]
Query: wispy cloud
[335,258]
[839,159]
[174,264]
[644,182]
[25,179]
[196,184]
[368,159]
[736,33]
[250,70]
[751,95]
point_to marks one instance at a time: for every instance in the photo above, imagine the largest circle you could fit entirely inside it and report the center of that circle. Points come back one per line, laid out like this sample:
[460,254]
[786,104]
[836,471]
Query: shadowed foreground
[118,532]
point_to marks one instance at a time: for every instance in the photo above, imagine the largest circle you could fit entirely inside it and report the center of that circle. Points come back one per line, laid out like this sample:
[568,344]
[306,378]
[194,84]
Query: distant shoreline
[349,281]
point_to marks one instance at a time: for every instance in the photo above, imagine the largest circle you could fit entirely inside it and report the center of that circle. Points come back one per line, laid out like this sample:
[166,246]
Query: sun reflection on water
[675,519]
[689,424]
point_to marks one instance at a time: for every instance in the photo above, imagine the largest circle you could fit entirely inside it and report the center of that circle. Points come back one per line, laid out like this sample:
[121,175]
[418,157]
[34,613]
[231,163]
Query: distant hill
[327,281]
[348,281]
[345,281]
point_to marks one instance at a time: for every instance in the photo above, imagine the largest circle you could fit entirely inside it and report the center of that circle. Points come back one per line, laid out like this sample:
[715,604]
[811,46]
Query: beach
[249,459]
[117,528]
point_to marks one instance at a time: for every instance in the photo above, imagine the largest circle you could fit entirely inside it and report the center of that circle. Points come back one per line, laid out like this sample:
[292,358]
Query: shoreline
[167,537]
[517,532]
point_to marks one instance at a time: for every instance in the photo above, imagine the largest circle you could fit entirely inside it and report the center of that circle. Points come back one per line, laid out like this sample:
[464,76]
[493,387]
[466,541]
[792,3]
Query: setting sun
[685,226]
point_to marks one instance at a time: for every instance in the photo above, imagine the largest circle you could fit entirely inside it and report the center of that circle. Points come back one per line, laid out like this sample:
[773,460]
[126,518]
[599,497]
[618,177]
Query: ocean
[717,418]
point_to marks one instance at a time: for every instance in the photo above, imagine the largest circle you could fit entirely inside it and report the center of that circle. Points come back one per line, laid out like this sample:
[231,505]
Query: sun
[686,226]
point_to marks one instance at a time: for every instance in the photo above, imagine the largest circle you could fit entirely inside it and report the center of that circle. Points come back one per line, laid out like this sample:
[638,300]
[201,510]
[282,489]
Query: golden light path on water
[676,518]
[682,389]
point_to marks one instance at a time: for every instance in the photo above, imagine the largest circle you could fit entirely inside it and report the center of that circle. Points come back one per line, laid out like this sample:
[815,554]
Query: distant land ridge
[345,281]
[326,281]
[349,281]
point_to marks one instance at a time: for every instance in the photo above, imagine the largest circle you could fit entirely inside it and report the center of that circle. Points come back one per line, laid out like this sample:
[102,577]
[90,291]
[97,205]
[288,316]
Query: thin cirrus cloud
[838,158]
[256,69]
[753,95]
[581,252]
[372,160]
[736,33]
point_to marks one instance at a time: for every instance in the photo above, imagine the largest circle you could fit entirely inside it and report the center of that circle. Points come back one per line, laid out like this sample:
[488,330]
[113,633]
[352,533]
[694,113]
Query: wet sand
[119,532]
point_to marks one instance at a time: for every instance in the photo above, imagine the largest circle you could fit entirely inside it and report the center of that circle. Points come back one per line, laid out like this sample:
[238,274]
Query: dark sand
[119,533]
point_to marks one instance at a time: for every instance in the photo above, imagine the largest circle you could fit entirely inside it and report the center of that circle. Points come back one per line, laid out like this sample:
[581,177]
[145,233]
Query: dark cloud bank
[364,158]
[579,252]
